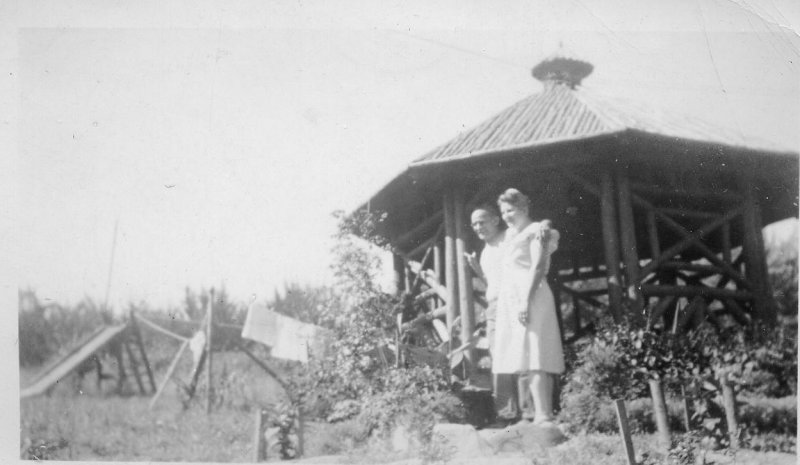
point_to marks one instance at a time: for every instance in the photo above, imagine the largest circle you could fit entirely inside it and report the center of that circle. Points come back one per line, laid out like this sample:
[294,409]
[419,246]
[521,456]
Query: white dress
[519,349]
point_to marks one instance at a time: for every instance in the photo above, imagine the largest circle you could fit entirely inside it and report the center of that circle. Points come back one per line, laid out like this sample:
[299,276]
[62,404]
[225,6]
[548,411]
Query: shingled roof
[563,111]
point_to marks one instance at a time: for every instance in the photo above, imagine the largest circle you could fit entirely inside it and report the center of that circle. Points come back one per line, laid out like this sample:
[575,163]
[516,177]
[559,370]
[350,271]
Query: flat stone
[463,441]
[523,437]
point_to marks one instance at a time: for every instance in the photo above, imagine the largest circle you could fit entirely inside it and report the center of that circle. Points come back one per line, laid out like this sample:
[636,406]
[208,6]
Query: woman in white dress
[527,336]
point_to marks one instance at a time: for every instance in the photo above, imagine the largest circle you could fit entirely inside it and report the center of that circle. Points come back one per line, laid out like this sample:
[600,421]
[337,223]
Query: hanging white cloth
[287,338]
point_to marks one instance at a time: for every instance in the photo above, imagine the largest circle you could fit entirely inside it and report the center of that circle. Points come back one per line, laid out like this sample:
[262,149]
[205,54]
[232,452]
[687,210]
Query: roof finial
[560,69]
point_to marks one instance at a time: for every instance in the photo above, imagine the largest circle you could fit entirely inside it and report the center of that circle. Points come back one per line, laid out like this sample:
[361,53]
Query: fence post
[259,444]
[687,414]
[624,431]
[660,412]
[729,402]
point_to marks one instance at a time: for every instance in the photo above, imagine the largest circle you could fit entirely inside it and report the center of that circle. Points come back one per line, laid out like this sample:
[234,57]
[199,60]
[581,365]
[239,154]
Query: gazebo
[653,209]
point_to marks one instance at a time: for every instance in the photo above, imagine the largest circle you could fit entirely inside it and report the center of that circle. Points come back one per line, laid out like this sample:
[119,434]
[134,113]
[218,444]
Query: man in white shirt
[485,221]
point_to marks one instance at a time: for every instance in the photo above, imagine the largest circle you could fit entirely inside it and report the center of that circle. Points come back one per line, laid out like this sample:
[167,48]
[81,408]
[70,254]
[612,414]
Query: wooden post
[134,366]
[726,243]
[652,233]
[137,334]
[729,402]
[628,243]
[450,264]
[624,431]
[465,296]
[259,444]
[399,273]
[437,268]
[755,262]
[660,412]
[170,370]
[209,333]
[687,414]
[608,211]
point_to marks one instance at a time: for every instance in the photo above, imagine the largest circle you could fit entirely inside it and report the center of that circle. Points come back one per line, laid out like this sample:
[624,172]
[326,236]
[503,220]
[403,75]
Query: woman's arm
[540,248]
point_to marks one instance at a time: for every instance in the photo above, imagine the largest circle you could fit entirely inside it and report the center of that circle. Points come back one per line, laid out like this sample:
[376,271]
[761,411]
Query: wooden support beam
[437,261]
[270,371]
[134,366]
[160,329]
[652,234]
[419,229]
[465,293]
[450,260]
[692,291]
[137,337]
[608,212]
[687,213]
[423,246]
[690,194]
[737,312]
[582,295]
[170,371]
[755,260]
[429,245]
[630,254]
[696,267]
[693,239]
[430,279]
[725,238]
[659,309]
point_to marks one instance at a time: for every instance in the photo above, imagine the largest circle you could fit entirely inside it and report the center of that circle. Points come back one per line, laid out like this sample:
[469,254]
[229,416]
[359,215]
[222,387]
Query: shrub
[47,330]
[355,380]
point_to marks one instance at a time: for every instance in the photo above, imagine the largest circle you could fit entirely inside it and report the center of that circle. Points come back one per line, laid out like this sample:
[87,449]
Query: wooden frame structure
[655,215]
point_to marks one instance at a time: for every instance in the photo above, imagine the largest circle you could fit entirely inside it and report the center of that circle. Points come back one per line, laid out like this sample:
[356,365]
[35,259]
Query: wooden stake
[170,370]
[259,444]
[687,414]
[209,333]
[624,431]
[729,402]
[608,211]
[660,412]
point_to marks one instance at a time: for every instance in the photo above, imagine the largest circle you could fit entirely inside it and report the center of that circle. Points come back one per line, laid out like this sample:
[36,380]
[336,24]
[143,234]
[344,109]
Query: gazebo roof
[567,125]
[562,113]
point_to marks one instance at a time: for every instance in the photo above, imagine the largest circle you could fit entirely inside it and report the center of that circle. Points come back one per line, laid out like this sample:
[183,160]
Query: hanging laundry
[287,338]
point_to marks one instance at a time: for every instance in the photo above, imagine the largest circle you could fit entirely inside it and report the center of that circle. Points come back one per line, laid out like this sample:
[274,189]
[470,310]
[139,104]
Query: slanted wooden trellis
[653,211]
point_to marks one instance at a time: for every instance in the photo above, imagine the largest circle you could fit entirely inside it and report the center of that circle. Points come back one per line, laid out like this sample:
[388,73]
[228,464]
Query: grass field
[103,426]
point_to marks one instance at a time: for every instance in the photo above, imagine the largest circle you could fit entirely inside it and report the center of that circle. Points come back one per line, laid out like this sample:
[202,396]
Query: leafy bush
[356,379]
[620,359]
[412,397]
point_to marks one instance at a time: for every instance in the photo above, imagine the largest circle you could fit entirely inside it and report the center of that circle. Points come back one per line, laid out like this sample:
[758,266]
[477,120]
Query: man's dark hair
[488,207]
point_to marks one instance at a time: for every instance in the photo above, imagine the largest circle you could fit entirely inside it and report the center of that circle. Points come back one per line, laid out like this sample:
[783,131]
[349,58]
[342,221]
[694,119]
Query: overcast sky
[221,135]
